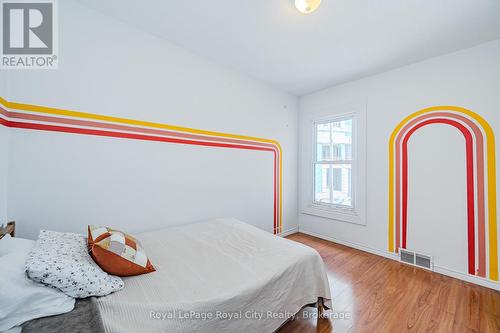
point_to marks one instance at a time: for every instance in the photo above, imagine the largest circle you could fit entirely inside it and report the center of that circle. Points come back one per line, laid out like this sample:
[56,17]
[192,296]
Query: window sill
[343,215]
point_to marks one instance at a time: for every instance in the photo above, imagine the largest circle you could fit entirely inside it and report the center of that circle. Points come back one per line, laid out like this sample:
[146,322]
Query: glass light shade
[307,6]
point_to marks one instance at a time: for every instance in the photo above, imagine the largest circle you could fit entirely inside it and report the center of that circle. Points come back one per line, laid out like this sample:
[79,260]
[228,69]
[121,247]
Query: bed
[217,276]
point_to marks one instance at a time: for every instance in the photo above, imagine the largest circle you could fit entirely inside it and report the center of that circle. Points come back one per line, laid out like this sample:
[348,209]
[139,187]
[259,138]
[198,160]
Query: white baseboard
[353,245]
[466,277]
[289,232]
[438,269]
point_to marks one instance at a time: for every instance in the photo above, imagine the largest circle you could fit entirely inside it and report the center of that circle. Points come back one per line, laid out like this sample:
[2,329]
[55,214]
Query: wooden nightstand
[9,229]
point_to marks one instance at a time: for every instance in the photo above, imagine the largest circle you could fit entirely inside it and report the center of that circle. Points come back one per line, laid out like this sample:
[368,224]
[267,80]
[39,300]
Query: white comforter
[217,276]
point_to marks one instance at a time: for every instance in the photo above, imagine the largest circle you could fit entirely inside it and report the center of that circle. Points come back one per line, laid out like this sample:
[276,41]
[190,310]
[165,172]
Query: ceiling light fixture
[307,6]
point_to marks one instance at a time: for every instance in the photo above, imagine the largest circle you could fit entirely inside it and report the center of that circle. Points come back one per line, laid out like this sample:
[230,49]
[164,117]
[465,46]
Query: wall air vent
[415,259]
[423,261]
[407,256]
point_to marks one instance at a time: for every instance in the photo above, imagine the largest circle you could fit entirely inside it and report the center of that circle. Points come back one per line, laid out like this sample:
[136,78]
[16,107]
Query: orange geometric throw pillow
[117,253]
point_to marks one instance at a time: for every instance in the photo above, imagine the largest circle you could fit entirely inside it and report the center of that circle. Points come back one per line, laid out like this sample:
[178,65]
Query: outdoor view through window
[333,163]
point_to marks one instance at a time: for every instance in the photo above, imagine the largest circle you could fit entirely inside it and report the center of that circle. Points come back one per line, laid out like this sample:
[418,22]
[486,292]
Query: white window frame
[357,213]
[341,208]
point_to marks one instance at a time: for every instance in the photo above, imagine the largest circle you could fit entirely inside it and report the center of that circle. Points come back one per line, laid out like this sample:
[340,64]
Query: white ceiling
[342,41]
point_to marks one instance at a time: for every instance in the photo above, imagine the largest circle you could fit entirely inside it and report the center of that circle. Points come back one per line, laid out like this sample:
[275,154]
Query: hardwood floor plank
[382,295]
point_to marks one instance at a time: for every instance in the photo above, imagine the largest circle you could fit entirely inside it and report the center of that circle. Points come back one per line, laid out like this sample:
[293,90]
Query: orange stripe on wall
[168,133]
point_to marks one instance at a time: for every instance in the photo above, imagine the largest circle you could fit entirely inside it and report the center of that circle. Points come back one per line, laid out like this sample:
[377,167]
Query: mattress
[217,276]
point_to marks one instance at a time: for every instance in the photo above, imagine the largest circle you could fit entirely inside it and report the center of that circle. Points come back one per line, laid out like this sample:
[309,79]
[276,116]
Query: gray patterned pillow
[61,260]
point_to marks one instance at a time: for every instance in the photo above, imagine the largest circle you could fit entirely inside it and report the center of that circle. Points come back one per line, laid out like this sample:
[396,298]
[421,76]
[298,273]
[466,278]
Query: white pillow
[22,299]
[14,244]
[62,260]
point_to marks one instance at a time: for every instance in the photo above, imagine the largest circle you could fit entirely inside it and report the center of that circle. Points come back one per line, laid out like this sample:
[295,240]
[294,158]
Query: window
[334,163]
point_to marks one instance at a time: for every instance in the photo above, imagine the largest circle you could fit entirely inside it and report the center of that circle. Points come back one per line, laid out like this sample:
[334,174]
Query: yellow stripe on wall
[492,193]
[112,119]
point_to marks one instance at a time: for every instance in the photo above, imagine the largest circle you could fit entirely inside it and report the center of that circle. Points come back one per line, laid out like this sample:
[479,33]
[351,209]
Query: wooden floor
[383,295]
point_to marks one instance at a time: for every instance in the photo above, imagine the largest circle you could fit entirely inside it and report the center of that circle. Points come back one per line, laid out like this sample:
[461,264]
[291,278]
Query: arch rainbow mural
[482,243]
[34,117]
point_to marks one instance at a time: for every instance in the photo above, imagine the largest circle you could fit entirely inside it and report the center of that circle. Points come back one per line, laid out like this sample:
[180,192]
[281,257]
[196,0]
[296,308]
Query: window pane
[322,188]
[333,184]
[334,141]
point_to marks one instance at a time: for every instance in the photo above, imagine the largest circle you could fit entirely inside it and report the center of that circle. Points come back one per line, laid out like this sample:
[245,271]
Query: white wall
[64,181]
[469,78]
[4,151]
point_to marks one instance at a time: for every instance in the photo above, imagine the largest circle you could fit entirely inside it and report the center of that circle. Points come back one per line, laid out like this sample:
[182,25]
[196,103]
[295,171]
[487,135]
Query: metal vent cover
[415,259]
[407,256]
[423,261]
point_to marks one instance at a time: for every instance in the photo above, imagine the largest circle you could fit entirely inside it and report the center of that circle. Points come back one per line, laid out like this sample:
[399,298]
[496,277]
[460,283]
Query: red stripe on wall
[55,128]
[85,131]
[470,184]
[405,192]
[195,137]
[275,197]
[480,185]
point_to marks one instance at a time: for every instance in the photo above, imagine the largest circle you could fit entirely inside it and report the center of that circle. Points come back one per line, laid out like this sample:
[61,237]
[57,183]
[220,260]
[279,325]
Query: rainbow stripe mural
[33,117]
[482,247]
